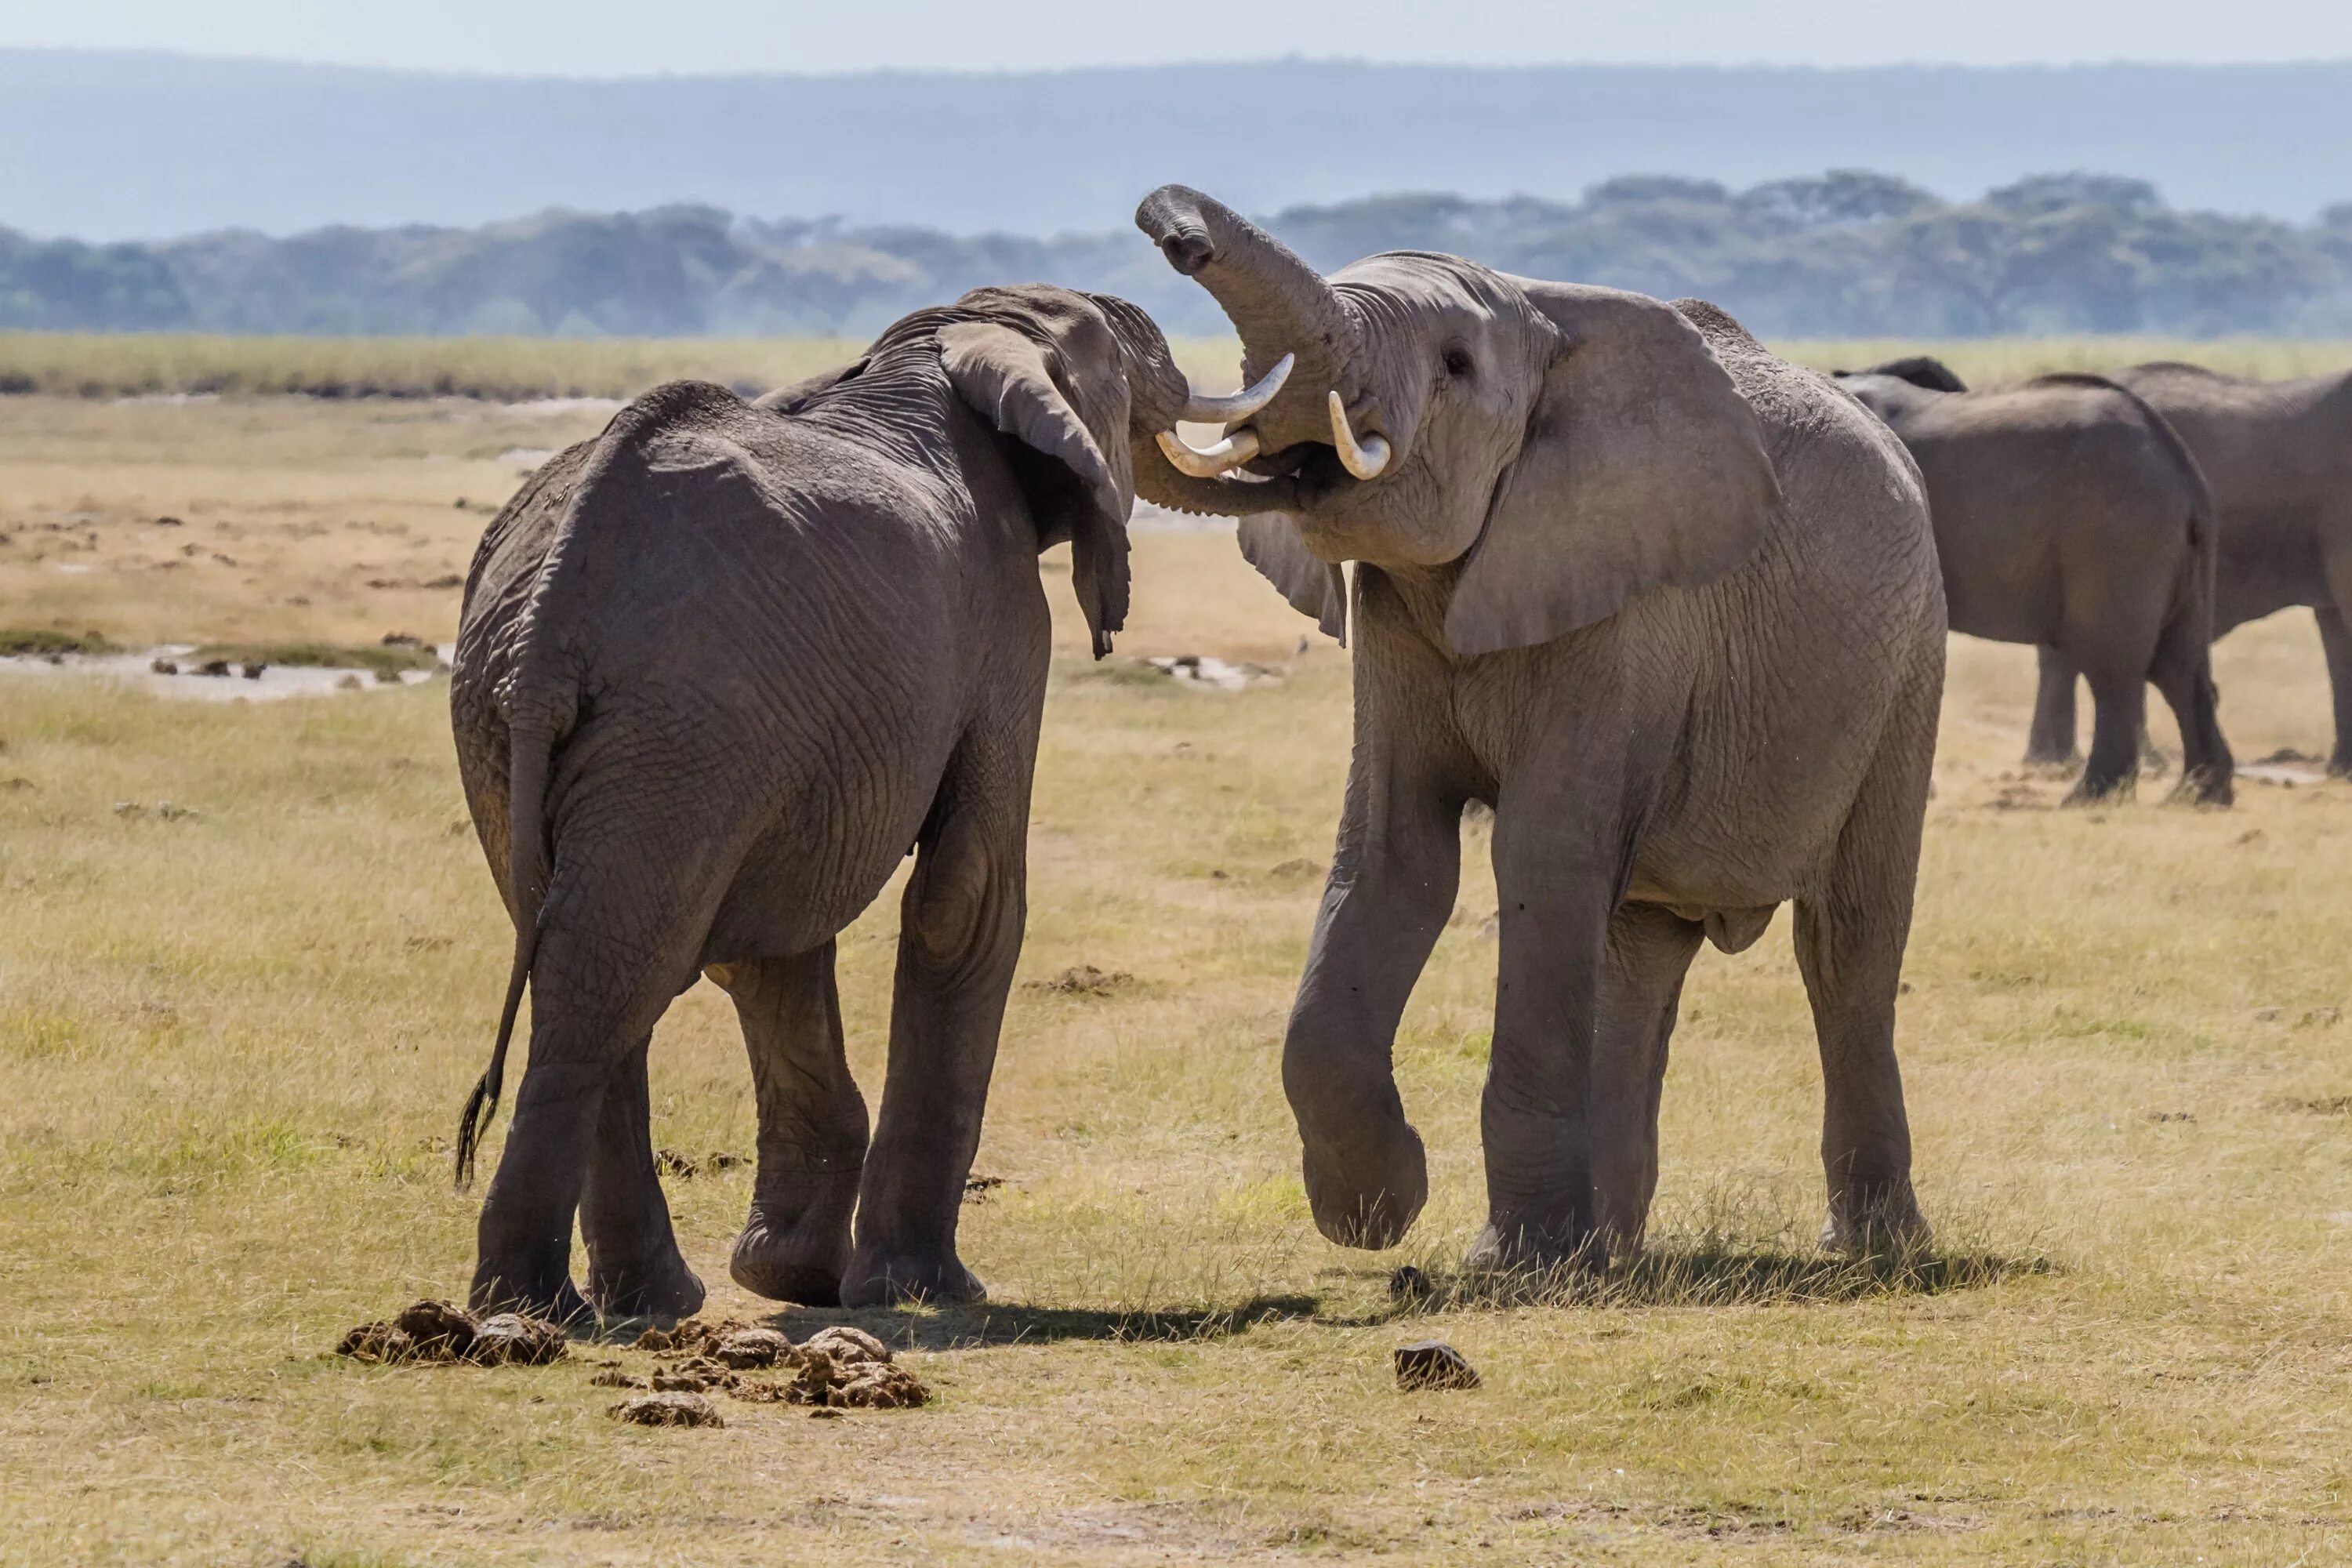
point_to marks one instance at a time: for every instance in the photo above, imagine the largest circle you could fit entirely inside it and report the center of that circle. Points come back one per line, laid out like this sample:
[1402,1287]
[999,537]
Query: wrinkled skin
[720,671]
[2277,456]
[2069,515]
[1666,604]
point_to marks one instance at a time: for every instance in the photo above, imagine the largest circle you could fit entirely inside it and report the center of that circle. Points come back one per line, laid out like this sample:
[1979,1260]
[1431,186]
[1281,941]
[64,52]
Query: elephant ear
[1008,379]
[1314,588]
[1643,467]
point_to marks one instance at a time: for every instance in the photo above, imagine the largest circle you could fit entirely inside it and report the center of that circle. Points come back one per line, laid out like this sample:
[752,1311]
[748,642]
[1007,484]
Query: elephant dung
[1433,1363]
[666,1410]
[442,1330]
[748,1348]
[846,1344]
[510,1338]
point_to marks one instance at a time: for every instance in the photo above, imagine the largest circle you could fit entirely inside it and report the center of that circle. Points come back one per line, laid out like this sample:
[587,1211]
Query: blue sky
[626,38]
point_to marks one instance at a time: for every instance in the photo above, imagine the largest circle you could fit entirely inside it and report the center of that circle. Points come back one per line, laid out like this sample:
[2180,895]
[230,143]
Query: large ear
[1270,543]
[1008,379]
[1643,467]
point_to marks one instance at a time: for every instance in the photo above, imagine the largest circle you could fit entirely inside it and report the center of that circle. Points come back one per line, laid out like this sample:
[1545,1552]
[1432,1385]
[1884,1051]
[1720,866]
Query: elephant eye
[1457,361]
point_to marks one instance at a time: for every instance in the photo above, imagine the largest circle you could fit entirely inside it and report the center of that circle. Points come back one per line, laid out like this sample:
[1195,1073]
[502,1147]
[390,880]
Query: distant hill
[1846,254]
[115,145]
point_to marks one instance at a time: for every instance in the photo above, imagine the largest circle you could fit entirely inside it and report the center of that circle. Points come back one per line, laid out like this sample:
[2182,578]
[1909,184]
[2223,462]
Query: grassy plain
[232,1044]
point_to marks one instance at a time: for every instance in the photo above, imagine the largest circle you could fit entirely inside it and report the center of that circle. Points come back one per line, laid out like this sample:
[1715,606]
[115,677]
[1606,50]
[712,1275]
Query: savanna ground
[233,1042]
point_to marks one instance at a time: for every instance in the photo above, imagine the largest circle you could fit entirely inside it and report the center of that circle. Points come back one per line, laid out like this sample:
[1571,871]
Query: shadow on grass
[993,1323]
[1722,1276]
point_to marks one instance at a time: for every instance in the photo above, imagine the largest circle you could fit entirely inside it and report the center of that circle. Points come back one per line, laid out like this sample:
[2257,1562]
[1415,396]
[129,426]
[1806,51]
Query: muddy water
[278,680]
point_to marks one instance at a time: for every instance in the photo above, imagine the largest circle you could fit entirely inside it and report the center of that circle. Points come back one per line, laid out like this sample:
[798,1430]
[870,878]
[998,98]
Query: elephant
[1666,604]
[720,671]
[2278,458]
[2069,515]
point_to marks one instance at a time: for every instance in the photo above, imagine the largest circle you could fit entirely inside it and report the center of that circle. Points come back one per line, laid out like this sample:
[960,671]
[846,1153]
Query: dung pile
[435,1330]
[836,1368]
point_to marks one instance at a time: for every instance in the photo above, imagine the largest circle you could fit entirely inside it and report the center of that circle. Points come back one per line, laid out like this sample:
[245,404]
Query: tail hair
[526,818]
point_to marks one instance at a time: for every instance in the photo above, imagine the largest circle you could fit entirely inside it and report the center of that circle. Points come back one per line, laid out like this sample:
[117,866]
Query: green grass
[378,656]
[131,364]
[17,642]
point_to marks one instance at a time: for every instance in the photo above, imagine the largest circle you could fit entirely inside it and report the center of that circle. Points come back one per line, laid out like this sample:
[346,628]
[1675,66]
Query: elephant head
[1900,386]
[1077,383]
[1560,449]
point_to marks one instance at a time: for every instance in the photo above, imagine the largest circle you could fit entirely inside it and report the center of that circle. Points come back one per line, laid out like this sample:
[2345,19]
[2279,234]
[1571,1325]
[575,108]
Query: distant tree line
[1849,253]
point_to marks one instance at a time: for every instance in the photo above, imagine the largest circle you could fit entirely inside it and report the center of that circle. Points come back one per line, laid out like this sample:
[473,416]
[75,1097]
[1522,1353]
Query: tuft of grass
[18,642]
[376,656]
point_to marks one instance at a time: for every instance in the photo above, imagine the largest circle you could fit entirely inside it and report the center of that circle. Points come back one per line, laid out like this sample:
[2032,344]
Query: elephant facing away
[1671,607]
[2278,458]
[721,669]
[2069,515]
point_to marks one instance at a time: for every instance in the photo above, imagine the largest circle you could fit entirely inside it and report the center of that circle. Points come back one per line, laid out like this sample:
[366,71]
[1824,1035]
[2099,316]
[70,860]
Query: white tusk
[1207,463]
[1203,409]
[1364,459]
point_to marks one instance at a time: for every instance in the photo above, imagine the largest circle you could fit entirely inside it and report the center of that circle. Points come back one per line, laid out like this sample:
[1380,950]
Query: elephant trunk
[1276,302]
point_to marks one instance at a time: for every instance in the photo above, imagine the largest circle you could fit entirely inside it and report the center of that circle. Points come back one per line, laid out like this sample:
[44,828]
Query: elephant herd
[1673,609]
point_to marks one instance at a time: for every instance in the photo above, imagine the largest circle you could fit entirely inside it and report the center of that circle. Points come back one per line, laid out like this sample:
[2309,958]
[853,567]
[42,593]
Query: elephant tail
[527,832]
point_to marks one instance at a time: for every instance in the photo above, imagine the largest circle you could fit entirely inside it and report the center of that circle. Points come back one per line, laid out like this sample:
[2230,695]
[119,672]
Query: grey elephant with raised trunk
[720,671]
[2278,458]
[1666,604]
[2069,515]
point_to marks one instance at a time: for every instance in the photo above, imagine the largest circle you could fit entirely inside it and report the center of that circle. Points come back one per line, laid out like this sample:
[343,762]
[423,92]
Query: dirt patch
[1085,980]
[666,1410]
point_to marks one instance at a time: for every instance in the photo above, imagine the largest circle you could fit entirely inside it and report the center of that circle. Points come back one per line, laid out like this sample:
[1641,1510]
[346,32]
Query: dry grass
[232,1043]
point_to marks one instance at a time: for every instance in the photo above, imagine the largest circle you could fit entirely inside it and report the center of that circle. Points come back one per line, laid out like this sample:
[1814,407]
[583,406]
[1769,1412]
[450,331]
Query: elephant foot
[922,1274]
[664,1292]
[555,1299]
[1366,1192]
[2207,786]
[796,1242]
[2340,766]
[2088,791]
[1875,1218]
[1522,1244]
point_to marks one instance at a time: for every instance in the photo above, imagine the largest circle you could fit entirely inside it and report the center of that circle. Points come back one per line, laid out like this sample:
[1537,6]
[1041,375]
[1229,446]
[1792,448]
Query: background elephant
[2278,458]
[2069,515]
[719,669]
[1671,607]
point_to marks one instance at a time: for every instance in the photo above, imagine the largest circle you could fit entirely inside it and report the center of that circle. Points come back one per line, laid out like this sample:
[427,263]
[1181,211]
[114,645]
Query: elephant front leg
[1389,896]
[959,939]
[634,1268]
[1536,1114]
[795,1243]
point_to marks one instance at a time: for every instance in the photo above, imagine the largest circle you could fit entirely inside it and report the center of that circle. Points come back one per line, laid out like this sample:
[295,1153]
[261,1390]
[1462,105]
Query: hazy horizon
[619,39]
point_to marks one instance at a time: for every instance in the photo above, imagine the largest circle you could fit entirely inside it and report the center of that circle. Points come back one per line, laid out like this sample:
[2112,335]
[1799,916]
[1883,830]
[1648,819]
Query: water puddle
[169,671]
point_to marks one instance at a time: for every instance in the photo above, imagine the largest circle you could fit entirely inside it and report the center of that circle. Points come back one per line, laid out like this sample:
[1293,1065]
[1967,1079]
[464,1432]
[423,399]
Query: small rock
[165,665]
[386,676]
[1433,1363]
[217,668]
[350,683]
[977,1188]
[748,1348]
[402,639]
[670,1409]
[251,669]
[847,1345]
[672,1162]
[167,522]
[1409,1284]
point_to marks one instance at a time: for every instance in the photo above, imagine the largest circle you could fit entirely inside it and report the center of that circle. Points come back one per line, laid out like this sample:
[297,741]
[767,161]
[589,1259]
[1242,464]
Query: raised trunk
[1277,303]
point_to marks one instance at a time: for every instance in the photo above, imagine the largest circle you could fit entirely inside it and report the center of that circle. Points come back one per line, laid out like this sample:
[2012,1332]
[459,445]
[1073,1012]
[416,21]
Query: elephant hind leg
[1850,934]
[2052,739]
[619,939]
[2183,672]
[812,1128]
[2118,722]
[634,1268]
[1648,951]
[2335,642]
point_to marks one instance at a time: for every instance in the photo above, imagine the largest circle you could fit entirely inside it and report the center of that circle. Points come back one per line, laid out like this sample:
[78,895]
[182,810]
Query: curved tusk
[1203,409]
[1364,459]
[1207,463]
